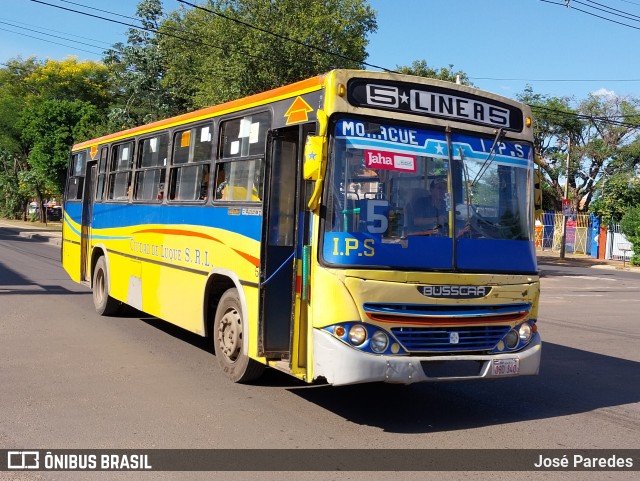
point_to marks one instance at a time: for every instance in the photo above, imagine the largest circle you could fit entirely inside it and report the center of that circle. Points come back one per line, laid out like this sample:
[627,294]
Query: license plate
[505,367]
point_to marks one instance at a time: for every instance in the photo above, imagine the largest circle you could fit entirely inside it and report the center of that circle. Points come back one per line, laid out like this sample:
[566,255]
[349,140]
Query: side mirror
[314,153]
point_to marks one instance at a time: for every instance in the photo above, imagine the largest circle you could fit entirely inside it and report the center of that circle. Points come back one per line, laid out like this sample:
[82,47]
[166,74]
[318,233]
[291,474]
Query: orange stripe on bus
[187,233]
[253,260]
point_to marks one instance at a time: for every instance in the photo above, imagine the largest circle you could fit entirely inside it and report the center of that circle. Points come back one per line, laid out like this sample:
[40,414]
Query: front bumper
[341,364]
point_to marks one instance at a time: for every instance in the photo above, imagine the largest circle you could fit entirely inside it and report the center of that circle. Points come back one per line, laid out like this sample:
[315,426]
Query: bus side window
[240,171]
[239,180]
[120,174]
[102,173]
[75,188]
[150,168]
[191,164]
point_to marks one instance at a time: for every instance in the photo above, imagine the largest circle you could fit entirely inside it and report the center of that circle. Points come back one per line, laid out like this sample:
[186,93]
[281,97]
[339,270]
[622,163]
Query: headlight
[379,342]
[511,339]
[525,332]
[357,335]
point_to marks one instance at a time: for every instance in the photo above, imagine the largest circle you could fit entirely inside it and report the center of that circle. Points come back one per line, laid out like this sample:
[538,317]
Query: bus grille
[448,328]
[433,339]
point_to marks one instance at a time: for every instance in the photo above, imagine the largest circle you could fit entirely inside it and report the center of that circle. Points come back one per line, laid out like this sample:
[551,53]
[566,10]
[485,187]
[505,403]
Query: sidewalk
[50,232]
[582,260]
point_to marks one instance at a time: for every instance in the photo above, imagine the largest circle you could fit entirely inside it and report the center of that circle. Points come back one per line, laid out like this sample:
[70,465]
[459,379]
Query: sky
[502,45]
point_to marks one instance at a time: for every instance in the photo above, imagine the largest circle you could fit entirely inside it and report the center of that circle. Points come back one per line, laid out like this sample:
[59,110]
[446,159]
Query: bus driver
[430,213]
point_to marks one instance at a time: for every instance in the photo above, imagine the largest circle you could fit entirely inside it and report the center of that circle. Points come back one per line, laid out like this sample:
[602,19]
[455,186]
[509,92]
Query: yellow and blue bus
[353,227]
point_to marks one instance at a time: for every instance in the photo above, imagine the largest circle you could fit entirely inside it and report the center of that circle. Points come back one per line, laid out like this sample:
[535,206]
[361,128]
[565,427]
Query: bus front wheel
[229,329]
[105,304]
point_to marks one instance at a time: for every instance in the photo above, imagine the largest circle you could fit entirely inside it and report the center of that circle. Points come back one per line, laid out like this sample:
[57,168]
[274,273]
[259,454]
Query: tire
[105,304]
[229,329]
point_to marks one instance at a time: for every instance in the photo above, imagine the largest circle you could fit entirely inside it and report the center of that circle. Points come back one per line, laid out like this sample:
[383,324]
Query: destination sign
[432,101]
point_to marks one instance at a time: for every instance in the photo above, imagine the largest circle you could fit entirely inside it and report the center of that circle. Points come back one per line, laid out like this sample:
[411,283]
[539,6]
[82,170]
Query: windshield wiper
[489,159]
[467,187]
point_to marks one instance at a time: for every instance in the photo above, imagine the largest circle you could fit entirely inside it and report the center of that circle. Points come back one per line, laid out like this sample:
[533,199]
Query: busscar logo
[23,460]
[454,292]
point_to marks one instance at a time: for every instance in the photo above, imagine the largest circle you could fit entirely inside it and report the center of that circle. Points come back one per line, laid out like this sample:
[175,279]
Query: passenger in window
[430,212]
[221,184]
[161,191]
[204,184]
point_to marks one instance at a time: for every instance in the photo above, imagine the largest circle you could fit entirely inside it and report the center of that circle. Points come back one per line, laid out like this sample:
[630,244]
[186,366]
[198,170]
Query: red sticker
[377,159]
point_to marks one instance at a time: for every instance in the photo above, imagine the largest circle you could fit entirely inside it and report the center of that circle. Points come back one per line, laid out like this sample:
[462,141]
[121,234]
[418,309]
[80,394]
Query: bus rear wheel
[105,304]
[229,329]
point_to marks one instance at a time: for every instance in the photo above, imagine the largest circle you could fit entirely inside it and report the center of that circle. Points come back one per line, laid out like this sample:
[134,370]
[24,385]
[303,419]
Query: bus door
[279,245]
[87,215]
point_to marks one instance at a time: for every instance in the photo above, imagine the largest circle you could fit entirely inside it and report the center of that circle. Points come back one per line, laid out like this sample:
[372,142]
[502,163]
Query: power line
[100,10]
[52,30]
[48,34]
[153,30]
[568,5]
[284,38]
[625,15]
[197,42]
[555,80]
[614,9]
[150,30]
[50,41]
[607,120]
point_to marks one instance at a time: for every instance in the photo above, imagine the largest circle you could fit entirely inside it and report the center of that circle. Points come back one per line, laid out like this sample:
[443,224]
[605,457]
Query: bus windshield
[401,196]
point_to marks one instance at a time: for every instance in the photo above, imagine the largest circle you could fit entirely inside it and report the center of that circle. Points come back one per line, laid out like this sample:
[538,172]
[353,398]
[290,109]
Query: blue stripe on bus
[109,216]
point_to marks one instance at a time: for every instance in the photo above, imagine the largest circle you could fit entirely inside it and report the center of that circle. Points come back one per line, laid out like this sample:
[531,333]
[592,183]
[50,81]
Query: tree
[137,69]
[236,48]
[69,79]
[617,193]
[608,144]
[13,150]
[601,144]
[554,122]
[421,69]
[45,107]
[630,225]
[51,127]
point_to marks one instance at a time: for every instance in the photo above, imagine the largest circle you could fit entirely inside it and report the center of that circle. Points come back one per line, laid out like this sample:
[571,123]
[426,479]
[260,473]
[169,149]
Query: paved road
[72,379]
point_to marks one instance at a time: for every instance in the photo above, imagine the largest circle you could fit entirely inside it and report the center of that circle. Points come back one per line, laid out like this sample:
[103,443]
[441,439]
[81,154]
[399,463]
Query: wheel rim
[230,334]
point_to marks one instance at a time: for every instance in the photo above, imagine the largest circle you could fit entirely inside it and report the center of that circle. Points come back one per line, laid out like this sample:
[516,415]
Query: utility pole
[566,196]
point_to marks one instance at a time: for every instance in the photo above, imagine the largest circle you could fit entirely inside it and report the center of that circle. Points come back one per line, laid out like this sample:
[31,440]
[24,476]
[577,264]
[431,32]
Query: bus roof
[287,91]
[297,88]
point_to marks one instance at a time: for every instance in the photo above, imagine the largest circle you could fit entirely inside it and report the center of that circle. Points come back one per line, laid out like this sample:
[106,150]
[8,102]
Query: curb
[35,233]
[37,236]
[587,263]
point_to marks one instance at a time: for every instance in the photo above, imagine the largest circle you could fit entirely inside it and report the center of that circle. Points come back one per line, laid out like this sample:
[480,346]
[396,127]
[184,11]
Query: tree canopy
[232,48]
[600,138]
[421,69]
[44,108]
